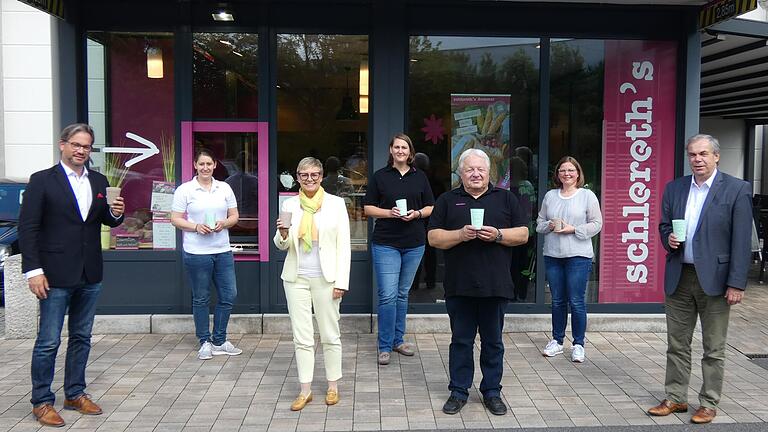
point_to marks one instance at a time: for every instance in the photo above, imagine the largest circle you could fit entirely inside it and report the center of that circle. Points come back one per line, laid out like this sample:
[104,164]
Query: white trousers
[302,295]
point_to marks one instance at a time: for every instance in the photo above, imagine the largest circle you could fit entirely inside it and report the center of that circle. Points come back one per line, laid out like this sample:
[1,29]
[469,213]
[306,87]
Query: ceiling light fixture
[223,15]
[347,110]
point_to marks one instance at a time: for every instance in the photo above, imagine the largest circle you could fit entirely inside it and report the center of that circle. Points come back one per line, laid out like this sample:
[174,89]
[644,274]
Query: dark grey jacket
[722,240]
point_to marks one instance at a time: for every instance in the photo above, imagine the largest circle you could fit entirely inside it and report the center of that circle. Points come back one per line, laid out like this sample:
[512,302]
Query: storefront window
[131,107]
[236,155]
[225,75]
[322,111]
[576,119]
[477,92]
[613,109]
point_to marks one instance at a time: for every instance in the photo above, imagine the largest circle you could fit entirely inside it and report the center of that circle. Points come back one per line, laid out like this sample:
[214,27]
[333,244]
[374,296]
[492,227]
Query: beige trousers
[683,307]
[302,296]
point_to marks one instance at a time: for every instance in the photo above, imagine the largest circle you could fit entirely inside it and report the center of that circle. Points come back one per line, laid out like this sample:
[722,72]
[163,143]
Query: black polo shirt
[388,186]
[477,268]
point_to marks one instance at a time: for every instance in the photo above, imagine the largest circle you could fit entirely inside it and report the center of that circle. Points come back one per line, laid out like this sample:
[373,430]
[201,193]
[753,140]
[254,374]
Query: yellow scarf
[307,228]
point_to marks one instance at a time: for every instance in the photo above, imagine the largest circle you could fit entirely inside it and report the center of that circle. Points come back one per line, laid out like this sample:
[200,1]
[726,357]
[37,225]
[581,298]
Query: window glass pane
[236,156]
[479,92]
[576,118]
[131,107]
[225,75]
[322,112]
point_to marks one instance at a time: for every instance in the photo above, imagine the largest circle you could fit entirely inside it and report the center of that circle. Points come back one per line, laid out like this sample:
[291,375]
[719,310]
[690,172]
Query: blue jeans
[568,282]
[468,315]
[395,270]
[81,303]
[201,269]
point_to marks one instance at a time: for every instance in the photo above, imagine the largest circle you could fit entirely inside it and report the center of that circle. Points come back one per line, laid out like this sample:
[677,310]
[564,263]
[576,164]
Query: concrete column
[21,306]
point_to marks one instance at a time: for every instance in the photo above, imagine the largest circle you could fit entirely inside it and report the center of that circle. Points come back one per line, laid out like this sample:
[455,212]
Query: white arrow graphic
[144,153]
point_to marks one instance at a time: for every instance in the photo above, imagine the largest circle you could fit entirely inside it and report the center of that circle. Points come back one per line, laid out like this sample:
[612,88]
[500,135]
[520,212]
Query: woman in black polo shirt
[398,239]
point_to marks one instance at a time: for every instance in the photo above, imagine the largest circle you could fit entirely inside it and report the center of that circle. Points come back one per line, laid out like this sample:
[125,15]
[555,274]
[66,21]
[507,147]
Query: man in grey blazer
[706,273]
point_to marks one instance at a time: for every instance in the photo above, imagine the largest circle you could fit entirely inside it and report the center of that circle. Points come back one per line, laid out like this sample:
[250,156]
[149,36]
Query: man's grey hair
[309,161]
[74,129]
[713,142]
[473,152]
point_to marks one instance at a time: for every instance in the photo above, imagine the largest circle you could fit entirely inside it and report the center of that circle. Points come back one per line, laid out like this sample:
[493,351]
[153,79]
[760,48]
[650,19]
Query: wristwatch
[499,237]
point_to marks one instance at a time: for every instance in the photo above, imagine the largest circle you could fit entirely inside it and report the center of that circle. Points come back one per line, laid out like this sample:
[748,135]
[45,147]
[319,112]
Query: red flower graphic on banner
[433,128]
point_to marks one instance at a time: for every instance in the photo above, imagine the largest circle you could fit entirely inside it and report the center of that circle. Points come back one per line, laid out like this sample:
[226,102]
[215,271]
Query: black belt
[690,266]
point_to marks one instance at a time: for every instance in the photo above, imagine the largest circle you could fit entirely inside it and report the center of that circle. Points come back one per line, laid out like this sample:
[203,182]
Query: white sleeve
[180,200]
[230,197]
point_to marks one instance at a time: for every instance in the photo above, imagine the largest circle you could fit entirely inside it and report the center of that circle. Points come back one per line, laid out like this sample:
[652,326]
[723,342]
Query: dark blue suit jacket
[721,243]
[53,235]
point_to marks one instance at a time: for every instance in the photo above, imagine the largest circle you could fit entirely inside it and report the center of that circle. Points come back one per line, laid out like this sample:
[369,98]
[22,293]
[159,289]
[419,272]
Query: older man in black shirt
[477,287]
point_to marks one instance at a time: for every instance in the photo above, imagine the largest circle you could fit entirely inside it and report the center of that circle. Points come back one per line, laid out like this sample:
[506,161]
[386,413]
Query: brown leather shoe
[47,415]
[667,407]
[83,404]
[703,415]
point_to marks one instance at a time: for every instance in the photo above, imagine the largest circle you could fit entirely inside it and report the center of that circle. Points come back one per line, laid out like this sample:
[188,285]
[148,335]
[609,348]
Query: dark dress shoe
[703,415]
[47,415]
[495,405]
[667,407]
[453,405]
[83,404]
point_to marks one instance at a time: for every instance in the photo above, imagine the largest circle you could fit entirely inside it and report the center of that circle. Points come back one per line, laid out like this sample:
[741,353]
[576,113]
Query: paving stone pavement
[151,382]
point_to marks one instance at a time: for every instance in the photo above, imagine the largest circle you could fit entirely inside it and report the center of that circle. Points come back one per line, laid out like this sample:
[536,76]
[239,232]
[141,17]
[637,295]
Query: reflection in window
[477,92]
[576,118]
[131,103]
[236,154]
[319,114]
[225,75]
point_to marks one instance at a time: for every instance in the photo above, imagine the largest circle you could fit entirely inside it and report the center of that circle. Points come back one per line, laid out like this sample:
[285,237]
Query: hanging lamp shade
[154,62]
[363,86]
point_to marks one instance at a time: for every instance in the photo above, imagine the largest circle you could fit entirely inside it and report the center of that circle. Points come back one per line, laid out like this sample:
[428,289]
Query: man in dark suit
[59,236]
[706,272]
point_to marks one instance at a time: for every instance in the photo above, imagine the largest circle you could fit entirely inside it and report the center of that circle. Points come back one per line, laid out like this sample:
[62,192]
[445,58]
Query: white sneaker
[552,349]
[226,349]
[577,354]
[205,351]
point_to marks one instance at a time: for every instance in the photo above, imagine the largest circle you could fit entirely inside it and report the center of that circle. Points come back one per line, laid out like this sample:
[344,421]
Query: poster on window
[638,161]
[162,196]
[481,121]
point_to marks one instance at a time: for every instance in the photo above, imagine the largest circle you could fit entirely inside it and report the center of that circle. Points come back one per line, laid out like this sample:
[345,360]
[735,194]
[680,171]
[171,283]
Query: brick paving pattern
[152,382]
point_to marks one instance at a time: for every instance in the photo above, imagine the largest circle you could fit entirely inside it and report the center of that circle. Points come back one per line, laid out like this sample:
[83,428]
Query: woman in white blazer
[315,274]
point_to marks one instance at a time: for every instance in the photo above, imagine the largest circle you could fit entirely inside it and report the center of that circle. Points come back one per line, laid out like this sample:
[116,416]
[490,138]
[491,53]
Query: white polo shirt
[191,198]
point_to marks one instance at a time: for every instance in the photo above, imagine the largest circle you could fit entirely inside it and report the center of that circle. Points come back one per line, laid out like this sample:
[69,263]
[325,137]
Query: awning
[734,70]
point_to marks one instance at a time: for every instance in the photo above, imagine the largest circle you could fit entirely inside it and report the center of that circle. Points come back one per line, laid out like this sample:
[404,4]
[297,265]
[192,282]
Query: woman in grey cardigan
[569,218]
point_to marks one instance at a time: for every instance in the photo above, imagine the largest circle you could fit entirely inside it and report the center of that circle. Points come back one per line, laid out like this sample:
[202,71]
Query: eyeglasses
[77,146]
[306,176]
[569,171]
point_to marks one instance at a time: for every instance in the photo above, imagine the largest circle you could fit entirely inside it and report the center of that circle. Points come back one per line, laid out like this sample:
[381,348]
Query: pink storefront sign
[638,160]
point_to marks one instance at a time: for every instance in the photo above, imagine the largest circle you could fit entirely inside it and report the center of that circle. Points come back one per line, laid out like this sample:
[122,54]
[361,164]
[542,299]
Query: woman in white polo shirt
[211,209]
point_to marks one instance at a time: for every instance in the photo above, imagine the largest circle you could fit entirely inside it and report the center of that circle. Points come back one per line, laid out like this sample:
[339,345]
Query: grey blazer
[722,240]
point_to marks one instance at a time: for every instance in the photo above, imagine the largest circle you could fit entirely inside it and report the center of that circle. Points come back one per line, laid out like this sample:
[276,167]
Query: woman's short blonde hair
[309,162]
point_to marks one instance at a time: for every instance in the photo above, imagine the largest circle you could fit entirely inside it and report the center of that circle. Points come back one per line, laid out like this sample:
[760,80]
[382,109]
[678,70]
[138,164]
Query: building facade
[616,86]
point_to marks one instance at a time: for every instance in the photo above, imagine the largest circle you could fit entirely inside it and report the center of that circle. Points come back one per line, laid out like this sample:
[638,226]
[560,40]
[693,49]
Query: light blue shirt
[81,186]
[696,197]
